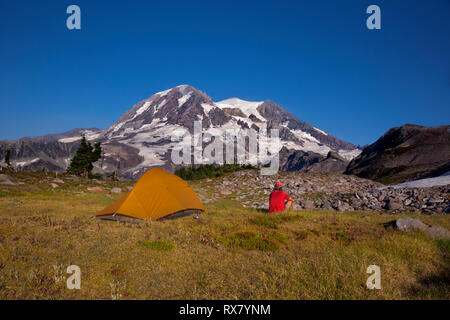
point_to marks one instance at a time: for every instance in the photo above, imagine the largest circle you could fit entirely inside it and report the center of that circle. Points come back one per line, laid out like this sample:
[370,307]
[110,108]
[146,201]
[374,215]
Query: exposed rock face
[293,160]
[40,153]
[141,138]
[332,163]
[405,153]
[296,160]
[234,112]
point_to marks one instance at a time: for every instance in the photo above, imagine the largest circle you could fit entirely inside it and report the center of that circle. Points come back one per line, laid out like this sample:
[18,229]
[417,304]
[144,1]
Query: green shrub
[97,176]
[443,245]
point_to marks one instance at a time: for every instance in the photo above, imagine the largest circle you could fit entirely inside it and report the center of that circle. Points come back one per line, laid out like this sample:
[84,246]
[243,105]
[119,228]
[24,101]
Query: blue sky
[315,58]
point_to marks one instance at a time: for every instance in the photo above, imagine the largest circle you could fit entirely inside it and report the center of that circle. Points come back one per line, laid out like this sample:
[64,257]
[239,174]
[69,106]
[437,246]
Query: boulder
[411,224]
[116,190]
[393,204]
[225,191]
[308,204]
[407,224]
[437,232]
[356,204]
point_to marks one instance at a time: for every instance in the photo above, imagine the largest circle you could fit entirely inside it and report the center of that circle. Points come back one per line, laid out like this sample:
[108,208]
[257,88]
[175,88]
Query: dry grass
[229,253]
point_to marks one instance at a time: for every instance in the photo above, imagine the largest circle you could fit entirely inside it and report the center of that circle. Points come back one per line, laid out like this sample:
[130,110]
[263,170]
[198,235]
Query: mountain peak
[141,138]
[183,89]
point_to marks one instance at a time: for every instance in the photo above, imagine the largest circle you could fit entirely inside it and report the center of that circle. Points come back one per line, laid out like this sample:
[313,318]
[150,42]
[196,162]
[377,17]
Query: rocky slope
[405,153]
[141,138]
[324,191]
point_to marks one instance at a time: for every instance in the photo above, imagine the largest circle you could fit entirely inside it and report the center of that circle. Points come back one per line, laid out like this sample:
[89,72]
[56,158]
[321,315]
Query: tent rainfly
[157,194]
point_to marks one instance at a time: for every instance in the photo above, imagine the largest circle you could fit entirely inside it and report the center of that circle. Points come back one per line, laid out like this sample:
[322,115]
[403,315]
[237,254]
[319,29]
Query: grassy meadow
[230,252]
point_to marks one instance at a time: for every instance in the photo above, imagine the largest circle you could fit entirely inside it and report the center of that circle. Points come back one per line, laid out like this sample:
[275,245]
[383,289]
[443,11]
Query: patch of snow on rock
[423,183]
[24,163]
[321,131]
[183,99]
[142,109]
[163,93]
[159,106]
[69,140]
[247,107]
[349,154]
[207,107]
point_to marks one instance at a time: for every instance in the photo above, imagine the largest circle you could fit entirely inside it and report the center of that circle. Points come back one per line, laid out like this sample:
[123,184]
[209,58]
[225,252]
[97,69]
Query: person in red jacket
[277,199]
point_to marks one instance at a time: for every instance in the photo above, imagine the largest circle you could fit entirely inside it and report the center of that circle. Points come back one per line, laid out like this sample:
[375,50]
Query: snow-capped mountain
[141,138]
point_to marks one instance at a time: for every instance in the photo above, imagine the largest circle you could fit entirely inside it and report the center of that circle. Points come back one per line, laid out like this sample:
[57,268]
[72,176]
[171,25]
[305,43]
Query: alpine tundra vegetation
[234,250]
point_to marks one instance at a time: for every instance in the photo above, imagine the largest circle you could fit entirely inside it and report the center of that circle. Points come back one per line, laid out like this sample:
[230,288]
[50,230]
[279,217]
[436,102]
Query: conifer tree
[7,156]
[86,155]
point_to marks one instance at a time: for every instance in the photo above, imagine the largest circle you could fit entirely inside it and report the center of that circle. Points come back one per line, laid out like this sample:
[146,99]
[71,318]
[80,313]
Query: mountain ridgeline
[141,139]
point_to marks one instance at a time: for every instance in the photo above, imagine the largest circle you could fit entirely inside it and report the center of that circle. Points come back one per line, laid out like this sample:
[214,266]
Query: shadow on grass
[436,285]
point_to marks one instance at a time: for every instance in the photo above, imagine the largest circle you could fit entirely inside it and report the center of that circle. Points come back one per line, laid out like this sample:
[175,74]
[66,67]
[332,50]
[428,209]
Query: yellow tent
[156,195]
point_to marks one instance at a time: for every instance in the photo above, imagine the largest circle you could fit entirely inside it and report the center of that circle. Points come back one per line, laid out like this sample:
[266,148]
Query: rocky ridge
[405,153]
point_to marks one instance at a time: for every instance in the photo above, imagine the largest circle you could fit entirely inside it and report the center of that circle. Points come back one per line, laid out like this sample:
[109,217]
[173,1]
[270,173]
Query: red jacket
[276,201]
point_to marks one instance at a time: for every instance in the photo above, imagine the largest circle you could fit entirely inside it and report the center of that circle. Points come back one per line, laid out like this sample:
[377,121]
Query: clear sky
[315,58]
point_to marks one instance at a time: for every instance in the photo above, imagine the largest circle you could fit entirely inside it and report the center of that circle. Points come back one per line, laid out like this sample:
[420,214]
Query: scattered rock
[356,204]
[333,192]
[8,183]
[225,191]
[116,190]
[308,204]
[54,185]
[326,206]
[95,189]
[4,179]
[58,181]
